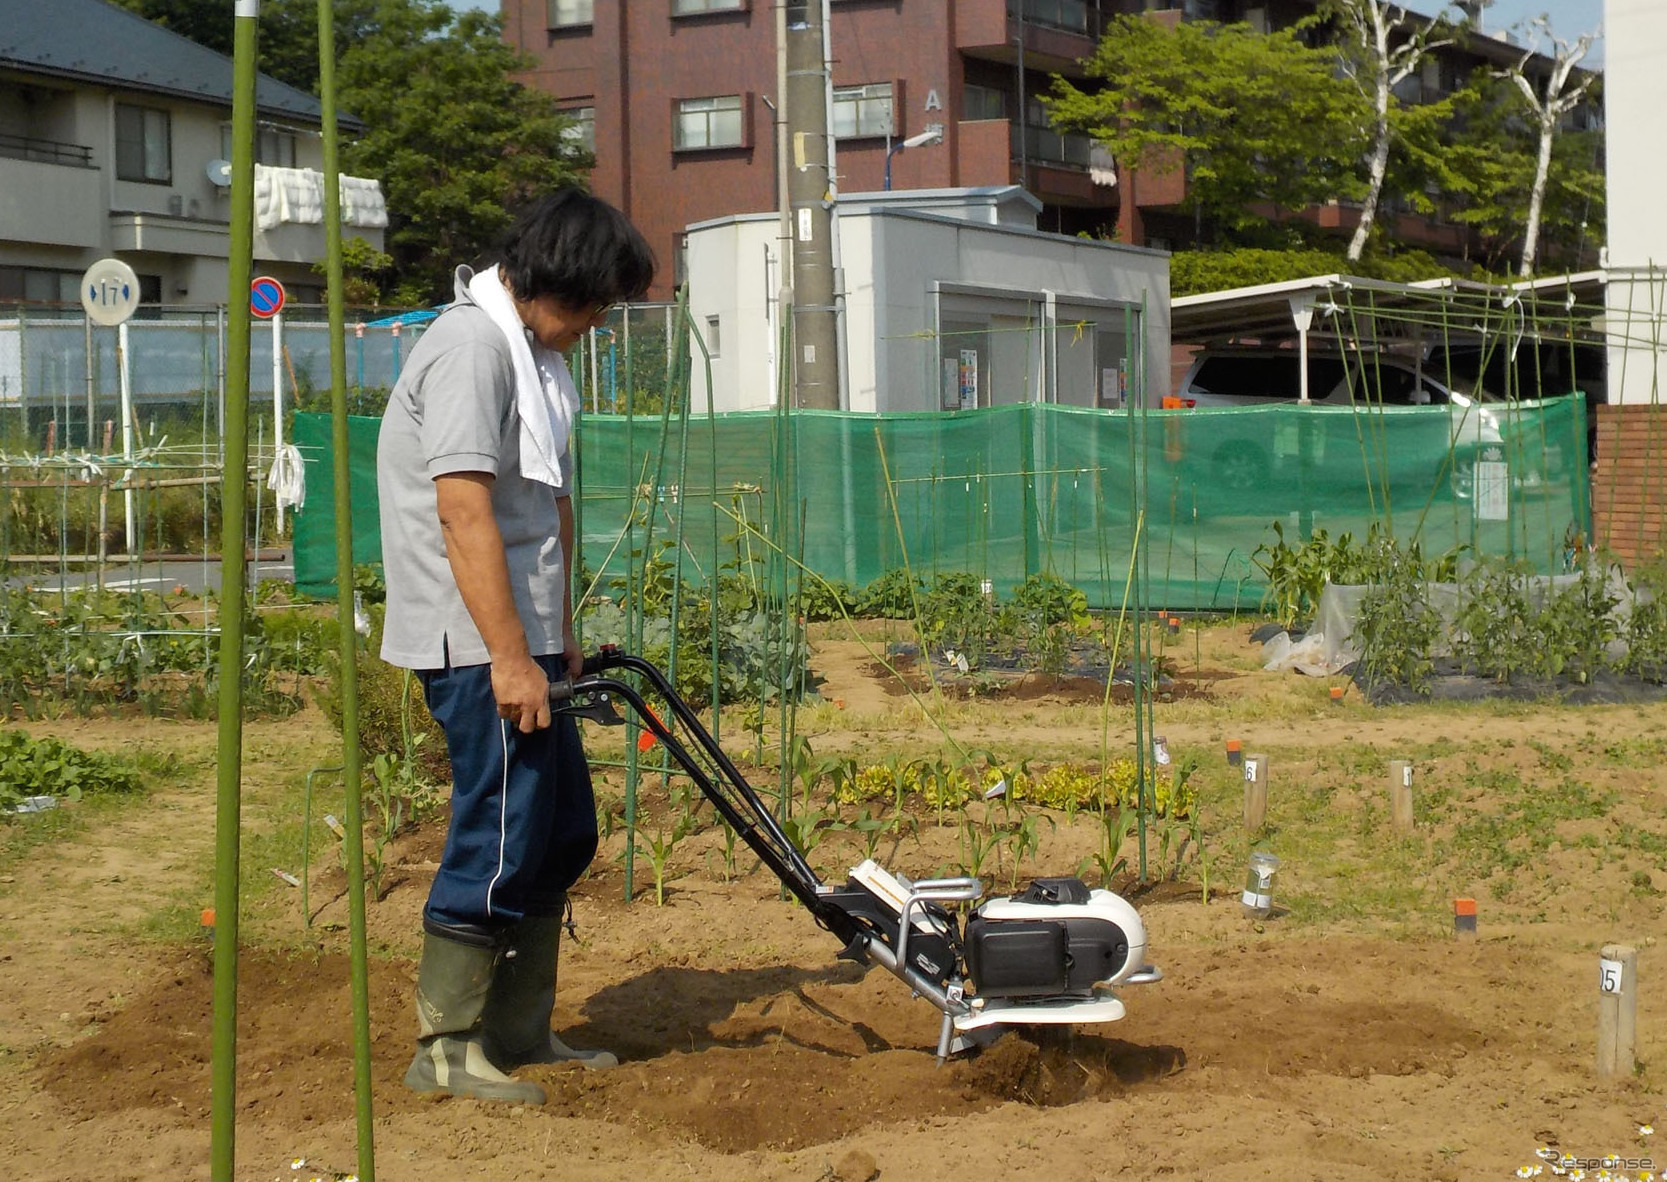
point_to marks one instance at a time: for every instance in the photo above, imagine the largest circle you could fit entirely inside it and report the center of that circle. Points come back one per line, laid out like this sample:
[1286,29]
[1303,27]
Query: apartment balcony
[287,242]
[1052,165]
[49,193]
[22,147]
[1057,34]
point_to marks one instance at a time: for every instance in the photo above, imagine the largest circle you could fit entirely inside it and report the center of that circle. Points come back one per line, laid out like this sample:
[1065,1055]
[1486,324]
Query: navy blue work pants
[523,819]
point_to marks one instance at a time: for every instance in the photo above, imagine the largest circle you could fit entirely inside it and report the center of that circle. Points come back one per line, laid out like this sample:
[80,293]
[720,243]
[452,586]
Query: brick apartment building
[675,97]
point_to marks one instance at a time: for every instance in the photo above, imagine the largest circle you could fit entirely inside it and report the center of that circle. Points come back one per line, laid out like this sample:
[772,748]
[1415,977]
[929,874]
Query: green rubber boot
[452,985]
[523,998]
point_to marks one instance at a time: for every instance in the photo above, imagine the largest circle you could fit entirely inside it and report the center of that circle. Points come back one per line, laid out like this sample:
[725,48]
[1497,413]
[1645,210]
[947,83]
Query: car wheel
[1240,468]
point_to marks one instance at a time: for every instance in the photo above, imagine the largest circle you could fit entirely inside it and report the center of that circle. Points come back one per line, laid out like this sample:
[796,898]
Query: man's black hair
[577,248]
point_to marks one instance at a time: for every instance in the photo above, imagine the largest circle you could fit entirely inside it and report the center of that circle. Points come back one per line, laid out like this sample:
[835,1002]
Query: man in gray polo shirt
[474,473]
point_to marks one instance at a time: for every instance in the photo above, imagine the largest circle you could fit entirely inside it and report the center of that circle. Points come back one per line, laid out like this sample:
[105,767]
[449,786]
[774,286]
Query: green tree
[1489,159]
[1549,100]
[1257,120]
[455,141]
[1387,46]
[288,42]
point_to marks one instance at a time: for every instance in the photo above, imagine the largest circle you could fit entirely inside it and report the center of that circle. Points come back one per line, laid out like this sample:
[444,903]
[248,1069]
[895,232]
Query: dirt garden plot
[1348,1038]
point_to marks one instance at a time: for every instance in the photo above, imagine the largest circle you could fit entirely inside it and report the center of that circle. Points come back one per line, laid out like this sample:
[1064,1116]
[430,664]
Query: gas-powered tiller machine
[1049,955]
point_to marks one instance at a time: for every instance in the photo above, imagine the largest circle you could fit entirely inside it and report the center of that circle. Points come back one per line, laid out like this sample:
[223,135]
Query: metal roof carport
[1297,310]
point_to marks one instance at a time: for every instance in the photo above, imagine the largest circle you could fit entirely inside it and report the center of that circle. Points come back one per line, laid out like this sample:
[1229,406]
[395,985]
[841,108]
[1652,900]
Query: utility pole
[1020,118]
[809,186]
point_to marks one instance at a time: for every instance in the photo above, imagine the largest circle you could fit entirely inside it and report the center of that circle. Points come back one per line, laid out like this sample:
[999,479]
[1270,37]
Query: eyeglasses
[601,310]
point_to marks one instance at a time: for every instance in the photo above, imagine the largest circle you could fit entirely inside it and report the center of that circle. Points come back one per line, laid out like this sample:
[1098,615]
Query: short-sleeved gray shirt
[453,410]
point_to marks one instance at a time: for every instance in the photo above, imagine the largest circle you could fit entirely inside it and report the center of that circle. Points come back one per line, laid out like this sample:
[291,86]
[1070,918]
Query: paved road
[160,577]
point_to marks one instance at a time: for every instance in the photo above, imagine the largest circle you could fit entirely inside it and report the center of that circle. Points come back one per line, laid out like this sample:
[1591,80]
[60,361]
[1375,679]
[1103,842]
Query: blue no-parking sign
[266,297]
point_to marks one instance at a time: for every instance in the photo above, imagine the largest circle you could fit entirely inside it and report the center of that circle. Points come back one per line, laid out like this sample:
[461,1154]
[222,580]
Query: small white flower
[1646,1130]
[298,1163]
[1525,1171]
[1546,1153]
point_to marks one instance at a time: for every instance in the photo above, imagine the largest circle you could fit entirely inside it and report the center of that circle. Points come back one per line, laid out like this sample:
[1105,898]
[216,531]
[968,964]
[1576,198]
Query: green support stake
[227,819]
[358,969]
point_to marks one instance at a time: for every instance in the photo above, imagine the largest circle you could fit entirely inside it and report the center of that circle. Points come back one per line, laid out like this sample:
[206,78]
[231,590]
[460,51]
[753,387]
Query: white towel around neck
[545,397]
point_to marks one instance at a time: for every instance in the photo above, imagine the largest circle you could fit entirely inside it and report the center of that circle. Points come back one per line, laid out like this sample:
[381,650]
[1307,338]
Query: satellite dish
[220,172]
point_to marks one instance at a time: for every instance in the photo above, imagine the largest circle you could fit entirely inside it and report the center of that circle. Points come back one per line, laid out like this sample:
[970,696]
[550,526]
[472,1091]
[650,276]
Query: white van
[1365,382]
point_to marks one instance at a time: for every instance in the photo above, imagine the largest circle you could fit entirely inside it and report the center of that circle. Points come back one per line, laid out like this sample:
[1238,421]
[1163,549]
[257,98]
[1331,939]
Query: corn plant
[1195,824]
[730,839]
[807,830]
[1026,839]
[658,854]
[400,795]
[843,776]
[1114,831]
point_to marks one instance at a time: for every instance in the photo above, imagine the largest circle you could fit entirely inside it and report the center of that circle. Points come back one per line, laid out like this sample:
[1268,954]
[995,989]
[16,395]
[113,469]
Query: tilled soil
[750,1052]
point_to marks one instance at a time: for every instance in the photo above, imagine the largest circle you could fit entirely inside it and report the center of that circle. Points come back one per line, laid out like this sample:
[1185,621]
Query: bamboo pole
[240,265]
[354,846]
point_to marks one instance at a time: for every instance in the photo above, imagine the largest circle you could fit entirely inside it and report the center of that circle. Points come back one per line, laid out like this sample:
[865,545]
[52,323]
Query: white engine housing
[1102,905]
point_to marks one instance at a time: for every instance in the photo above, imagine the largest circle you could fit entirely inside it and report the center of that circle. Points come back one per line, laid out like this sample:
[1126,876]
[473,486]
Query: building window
[714,340]
[39,286]
[983,102]
[708,123]
[143,152]
[274,146]
[581,133]
[1061,14]
[862,111]
[696,7]
[1045,145]
[562,14]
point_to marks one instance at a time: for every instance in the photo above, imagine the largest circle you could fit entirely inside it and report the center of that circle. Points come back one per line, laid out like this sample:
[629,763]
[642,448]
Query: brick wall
[1629,483]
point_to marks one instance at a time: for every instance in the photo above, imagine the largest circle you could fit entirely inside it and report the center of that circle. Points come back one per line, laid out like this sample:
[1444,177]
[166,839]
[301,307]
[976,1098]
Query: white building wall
[896,265]
[1635,94]
[66,217]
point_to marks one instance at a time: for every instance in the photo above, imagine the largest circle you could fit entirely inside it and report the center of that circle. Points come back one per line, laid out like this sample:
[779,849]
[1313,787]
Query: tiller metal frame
[1049,955]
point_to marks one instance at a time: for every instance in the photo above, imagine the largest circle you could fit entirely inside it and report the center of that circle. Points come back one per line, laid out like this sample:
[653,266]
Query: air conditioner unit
[176,205]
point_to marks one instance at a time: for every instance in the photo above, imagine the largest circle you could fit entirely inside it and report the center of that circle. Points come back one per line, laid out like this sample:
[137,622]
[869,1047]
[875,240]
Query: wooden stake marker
[1400,794]
[1617,1011]
[1255,793]
[1464,918]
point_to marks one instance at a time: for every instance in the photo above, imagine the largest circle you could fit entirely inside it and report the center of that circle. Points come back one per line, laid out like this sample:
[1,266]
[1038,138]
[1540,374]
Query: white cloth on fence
[362,202]
[288,195]
[288,477]
[546,399]
[269,198]
[297,195]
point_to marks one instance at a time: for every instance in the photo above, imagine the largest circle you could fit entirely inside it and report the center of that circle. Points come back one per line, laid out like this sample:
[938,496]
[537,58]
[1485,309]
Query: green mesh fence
[1012,491]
